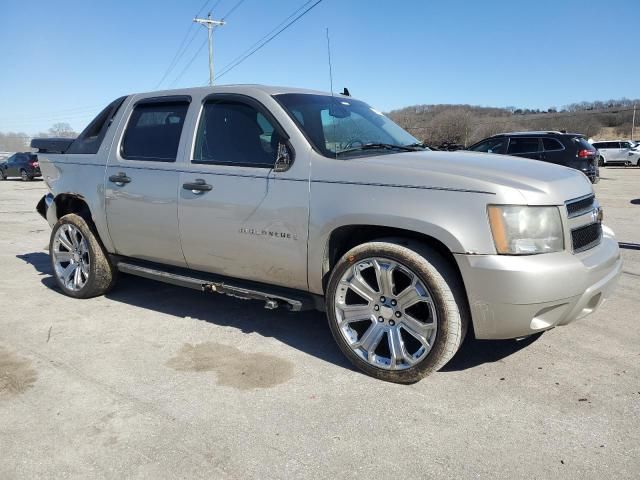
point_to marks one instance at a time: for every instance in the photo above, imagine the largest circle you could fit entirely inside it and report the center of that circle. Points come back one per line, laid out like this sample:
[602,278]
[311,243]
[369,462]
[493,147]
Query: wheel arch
[66,203]
[345,237]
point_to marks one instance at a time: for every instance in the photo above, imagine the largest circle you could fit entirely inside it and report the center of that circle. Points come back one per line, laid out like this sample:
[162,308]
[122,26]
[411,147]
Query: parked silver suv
[304,199]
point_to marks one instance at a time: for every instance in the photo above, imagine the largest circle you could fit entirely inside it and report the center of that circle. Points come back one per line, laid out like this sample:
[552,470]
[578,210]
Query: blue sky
[63,61]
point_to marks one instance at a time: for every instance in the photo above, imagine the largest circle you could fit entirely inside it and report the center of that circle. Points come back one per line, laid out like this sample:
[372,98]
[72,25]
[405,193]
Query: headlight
[524,230]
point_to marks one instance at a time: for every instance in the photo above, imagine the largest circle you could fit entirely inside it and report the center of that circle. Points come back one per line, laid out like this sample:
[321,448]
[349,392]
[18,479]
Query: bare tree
[62,129]
[451,126]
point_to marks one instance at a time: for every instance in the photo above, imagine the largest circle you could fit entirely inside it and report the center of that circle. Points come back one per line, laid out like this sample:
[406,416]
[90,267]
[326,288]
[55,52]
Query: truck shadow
[477,352]
[305,331]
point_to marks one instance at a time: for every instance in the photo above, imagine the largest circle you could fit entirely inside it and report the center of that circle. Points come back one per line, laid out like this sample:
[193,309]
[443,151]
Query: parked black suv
[568,149]
[24,165]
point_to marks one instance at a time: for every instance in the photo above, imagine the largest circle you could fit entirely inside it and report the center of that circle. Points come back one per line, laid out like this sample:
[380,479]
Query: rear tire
[80,264]
[601,162]
[433,285]
[25,176]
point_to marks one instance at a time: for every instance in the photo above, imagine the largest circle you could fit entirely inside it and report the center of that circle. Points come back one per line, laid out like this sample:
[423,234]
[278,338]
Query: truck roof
[238,88]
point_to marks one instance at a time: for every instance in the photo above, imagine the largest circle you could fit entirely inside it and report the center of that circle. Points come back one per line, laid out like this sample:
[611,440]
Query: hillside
[466,124]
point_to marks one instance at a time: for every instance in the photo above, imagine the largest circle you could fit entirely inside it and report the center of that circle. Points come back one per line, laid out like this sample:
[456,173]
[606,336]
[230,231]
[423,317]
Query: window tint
[625,145]
[551,144]
[583,143]
[613,145]
[495,145]
[90,139]
[598,145]
[153,132]
[523,145]
[235,133]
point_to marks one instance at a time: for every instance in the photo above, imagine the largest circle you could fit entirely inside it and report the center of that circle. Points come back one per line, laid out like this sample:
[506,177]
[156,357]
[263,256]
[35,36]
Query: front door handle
[120,179]
[198,187]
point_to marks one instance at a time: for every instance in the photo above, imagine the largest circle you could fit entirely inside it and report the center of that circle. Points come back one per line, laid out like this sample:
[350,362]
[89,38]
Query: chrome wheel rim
[71,257]
[385,313]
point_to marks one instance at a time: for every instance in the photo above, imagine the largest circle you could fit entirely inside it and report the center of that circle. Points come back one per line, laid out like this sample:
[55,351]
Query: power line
[269,33]
[233,9]
[184,45]
[35,116]
[175,80]
[262,44]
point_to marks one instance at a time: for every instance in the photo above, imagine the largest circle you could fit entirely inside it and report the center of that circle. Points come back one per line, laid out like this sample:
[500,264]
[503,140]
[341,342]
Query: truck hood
[512,179]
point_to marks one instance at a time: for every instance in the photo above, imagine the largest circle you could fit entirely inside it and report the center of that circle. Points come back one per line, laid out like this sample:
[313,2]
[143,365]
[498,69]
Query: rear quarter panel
[83,175]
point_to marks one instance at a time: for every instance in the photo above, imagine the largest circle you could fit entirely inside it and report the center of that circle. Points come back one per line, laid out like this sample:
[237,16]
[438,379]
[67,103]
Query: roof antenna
[331,86]
[329,55]
[345,92]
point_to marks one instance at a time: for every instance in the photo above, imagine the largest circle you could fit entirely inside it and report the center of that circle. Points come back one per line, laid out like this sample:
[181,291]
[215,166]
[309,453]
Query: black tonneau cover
[51,145]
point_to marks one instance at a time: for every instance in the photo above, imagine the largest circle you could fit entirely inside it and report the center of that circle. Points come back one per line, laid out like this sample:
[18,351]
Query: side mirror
[283,158]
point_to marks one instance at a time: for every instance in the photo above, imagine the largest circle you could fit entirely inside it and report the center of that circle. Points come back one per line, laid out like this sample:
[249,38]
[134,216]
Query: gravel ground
[155,381]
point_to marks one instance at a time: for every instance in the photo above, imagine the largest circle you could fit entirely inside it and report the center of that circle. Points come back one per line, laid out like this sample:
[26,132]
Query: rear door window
[153,132]
[551,144]
[518,145]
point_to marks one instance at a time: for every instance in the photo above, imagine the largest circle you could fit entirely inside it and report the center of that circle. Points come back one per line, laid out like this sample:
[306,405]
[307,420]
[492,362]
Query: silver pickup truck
[305,199]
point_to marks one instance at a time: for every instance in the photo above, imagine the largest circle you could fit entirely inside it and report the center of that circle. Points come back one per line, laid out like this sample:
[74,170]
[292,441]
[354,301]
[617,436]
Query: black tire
[2,176]
[102,273]
[25,176]
[600,162]
[446,289]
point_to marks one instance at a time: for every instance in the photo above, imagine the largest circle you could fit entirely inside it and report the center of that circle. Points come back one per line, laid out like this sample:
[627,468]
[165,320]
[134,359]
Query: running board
[273,297]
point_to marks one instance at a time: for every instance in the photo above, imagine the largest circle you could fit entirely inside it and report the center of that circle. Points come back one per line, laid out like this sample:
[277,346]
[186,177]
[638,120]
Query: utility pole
[633,123]
[210,25]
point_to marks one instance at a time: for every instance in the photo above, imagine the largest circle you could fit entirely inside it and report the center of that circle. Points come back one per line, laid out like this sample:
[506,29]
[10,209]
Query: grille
[586,237]
[578,207]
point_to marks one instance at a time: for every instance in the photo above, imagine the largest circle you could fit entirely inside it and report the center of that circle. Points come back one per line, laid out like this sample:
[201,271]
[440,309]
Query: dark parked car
[568,149]
[24,165]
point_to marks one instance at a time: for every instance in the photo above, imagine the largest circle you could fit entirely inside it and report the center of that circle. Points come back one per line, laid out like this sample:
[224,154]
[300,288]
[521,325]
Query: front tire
[397,310]
[79,262]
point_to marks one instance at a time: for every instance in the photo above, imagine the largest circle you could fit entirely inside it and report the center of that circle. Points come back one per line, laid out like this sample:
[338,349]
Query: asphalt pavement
[154,381]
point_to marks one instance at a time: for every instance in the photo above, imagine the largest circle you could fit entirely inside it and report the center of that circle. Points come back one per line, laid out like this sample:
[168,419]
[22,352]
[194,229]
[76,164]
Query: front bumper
[516,296]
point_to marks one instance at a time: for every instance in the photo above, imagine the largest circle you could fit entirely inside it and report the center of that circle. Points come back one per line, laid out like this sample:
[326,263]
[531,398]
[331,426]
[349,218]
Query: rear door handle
[199,186]
[120,179]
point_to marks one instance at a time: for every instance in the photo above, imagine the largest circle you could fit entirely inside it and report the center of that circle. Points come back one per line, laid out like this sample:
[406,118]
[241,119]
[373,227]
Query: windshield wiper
[378,146]
[418,145]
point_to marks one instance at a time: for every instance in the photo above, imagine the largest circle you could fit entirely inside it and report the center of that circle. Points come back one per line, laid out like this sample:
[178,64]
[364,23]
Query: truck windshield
[341,127]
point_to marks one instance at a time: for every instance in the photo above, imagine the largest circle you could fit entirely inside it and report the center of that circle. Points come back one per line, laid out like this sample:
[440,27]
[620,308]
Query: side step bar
[272,297]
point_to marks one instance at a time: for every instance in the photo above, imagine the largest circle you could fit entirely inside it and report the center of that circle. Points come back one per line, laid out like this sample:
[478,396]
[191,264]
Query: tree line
[20,141]
[466,124]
